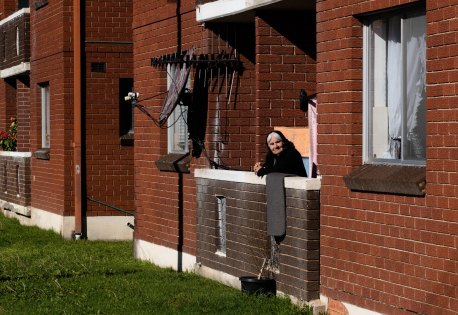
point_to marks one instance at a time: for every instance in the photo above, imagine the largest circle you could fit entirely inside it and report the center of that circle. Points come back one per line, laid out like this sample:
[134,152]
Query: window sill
[127,140]
[42,154]
[391,179]
[174,162]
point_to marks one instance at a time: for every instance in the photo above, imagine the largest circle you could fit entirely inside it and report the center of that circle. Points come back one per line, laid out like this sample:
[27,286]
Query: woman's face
[275,145]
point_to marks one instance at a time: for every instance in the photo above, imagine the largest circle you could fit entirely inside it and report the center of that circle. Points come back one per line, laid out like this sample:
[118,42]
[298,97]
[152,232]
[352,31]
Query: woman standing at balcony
[282,157]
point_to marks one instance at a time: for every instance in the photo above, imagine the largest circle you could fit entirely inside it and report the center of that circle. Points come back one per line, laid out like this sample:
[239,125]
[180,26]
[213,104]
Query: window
[394,88]
[17,41]
[177,135]
[45,116]
[221,226]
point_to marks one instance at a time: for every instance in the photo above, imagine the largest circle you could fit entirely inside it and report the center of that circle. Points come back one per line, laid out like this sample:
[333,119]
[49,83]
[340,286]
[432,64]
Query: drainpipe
[77,118]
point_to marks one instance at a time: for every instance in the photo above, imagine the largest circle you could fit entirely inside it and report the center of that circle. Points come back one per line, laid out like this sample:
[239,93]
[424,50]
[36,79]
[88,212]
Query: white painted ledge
[163,257]
[15,154]
[293,182]
[15,15]
[15,70]
[223,8]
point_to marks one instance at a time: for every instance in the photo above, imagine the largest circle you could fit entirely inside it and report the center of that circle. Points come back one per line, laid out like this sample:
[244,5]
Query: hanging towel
[276,208]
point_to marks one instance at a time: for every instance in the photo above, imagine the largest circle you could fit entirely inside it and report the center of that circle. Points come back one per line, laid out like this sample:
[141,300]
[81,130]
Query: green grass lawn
[40,273]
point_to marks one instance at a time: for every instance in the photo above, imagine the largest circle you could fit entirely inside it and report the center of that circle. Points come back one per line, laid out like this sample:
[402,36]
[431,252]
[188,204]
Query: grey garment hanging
[176,88]
[276,205]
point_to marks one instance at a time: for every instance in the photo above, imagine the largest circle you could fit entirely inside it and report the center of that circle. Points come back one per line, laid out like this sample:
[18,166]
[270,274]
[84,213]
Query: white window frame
[177,122]
[45,115]
[368,95]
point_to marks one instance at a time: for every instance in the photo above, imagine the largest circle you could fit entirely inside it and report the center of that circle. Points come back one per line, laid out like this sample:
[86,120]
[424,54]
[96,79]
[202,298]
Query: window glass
[395,78]
[177,135]
[45,116]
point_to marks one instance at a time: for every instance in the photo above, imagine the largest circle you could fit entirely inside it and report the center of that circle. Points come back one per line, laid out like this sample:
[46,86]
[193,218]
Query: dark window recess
[126,123]
[391,179]
[99,67]
[22,4]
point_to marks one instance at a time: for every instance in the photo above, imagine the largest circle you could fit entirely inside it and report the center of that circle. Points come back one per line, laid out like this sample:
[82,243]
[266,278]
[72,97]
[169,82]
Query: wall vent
[99,67]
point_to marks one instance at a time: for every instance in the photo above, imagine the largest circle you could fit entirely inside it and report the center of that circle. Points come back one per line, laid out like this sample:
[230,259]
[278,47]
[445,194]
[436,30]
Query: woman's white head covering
[273,134]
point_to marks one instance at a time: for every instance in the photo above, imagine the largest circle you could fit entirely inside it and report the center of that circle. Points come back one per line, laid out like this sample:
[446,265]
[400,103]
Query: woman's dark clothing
[289,161]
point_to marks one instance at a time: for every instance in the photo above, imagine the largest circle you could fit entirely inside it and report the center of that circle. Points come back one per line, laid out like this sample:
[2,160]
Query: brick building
[74,136]
[374,234]
[384,75]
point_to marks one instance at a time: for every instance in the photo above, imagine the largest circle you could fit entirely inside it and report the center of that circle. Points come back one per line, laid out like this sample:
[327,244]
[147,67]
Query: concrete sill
[391,179]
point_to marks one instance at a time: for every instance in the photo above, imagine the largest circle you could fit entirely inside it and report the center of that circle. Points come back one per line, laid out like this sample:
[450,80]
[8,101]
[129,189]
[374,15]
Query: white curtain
[415,66]
[394,90]
[416,80]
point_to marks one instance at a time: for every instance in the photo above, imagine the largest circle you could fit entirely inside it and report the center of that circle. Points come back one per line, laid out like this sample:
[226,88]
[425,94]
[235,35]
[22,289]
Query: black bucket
[253,285]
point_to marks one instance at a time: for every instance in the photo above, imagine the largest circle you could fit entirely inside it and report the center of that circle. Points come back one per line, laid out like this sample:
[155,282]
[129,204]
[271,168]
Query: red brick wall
[51,62]
[158,197]
[23,114]
[285,64]
[110,173]
[7,7]
[7,102]
[388,253]
[232,124]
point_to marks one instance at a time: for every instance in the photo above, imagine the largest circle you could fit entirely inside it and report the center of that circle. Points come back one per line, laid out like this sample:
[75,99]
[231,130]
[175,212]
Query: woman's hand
[257,167]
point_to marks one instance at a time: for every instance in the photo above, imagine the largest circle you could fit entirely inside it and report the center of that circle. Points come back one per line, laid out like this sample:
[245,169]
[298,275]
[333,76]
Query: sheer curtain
[415,30]
[411,144]
[394,90]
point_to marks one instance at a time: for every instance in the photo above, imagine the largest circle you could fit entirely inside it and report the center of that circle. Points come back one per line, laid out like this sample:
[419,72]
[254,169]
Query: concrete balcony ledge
[15,15]
[20,68]
[294,182]
[224,8]
[244,10]
[16,154]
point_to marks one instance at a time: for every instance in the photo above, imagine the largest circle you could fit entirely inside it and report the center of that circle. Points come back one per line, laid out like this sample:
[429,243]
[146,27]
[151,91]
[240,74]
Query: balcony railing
[15,182]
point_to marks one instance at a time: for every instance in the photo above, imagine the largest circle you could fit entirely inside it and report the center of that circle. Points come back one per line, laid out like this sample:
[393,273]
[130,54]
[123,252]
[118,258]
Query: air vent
[99,67]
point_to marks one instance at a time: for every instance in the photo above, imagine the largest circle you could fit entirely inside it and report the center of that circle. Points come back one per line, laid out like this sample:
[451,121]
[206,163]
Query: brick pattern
[15,180]
[10,54]
[23,114]
[8,7]
[389,253]
[247,241]
[285,64]
[110,166]
[166,201]
[109,175]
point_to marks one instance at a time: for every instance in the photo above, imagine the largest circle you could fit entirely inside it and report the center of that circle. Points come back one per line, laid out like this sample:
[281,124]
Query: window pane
[396,88]
[177,121]
[45,117]
[414,32]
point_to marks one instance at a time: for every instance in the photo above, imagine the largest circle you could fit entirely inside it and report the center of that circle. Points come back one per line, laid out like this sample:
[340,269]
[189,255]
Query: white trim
[352,309]
[15,70]
[98,228]
[251,178]
[15,15]
[217,275]
[162,256]
[222,8]
[16,154]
